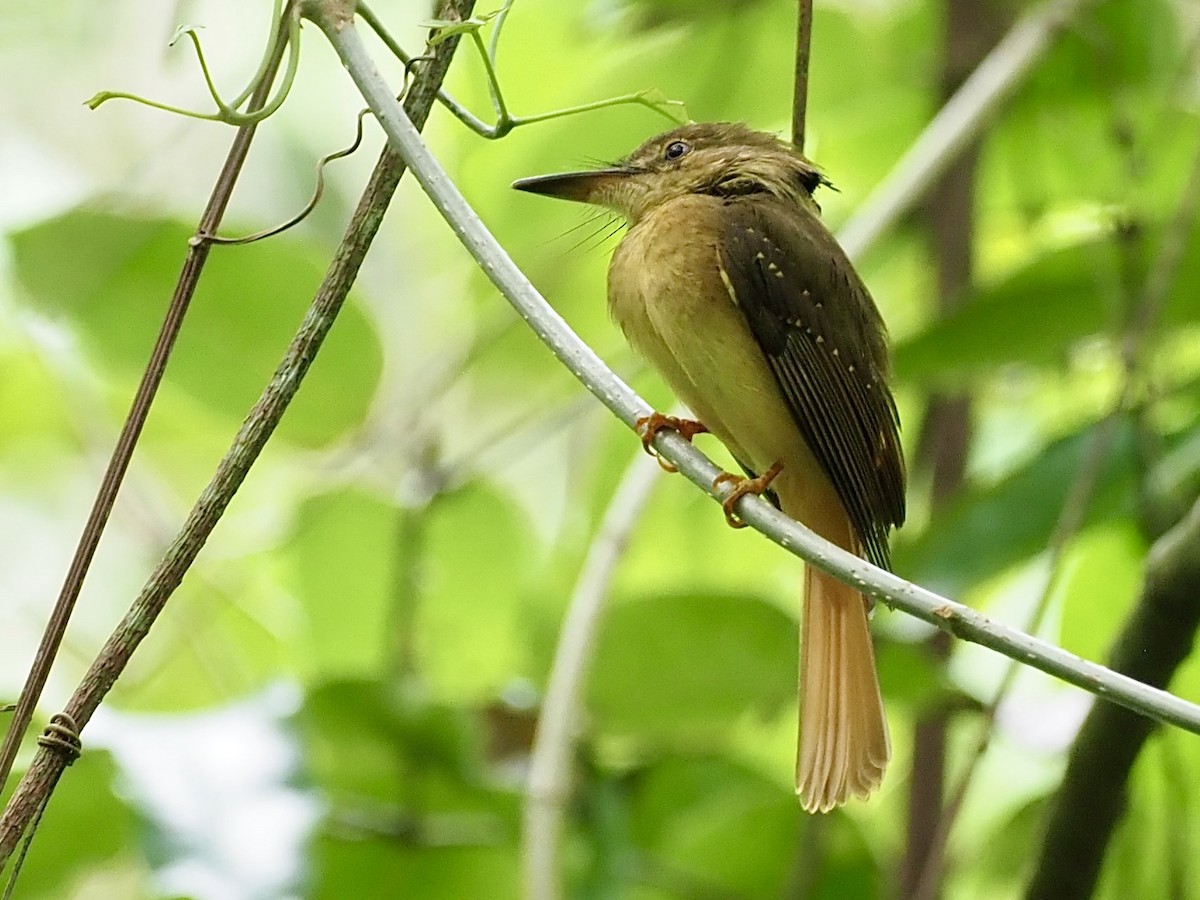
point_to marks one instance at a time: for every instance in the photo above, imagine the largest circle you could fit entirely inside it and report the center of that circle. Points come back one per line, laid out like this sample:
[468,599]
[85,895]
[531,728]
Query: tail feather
[844,746]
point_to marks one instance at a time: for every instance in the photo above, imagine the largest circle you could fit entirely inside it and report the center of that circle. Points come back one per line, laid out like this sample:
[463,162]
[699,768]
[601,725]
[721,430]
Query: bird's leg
[652,424]
[742,487]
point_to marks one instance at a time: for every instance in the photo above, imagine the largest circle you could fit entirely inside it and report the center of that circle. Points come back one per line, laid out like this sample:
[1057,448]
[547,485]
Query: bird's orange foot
[742,487]
[652,424]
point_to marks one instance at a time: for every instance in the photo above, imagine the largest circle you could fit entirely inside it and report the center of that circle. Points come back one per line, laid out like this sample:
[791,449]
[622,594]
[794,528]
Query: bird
[728,282]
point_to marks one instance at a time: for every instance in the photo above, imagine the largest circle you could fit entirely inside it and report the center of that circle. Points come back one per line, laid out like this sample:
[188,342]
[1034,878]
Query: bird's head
[723,159]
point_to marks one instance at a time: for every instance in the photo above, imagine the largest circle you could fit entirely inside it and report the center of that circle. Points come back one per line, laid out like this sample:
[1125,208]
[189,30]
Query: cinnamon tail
[844,746]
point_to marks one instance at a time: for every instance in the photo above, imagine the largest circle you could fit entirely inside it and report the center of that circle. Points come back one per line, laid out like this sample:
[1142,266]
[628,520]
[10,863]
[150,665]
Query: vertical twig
[970,31]
[800,85]
[118,463]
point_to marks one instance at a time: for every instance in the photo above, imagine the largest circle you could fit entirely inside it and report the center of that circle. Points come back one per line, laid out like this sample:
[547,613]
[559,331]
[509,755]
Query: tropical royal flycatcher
[730,285]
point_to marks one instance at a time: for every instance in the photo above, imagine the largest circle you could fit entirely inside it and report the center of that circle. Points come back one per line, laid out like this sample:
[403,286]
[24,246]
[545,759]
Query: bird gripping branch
[731,286]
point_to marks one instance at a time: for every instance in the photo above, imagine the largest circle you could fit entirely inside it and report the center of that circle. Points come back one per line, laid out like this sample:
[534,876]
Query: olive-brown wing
[824,340]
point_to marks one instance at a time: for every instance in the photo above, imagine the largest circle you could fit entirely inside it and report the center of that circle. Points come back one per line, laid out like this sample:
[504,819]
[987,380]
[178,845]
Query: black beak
[585,187]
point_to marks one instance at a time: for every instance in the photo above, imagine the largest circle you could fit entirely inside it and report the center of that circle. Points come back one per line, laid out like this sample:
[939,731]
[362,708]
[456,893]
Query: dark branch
[1157,638]
[803,54]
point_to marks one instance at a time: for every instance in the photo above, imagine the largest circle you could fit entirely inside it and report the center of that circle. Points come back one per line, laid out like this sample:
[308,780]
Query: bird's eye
[676,149]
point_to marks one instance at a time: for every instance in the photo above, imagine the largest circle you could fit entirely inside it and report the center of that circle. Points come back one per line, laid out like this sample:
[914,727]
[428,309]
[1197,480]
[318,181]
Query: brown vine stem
[118,464]
[48,765]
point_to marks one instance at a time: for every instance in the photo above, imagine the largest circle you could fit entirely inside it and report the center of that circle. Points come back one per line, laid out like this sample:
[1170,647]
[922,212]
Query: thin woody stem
[804,16]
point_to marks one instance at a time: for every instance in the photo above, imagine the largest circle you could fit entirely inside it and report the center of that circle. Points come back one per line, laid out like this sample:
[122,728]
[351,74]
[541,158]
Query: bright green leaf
[345,555]
[86,828]
[1039,311]
[111,278]
[691,662]
[985,530]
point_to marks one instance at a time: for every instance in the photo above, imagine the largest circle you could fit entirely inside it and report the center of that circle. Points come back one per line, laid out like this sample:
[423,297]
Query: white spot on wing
[725,278]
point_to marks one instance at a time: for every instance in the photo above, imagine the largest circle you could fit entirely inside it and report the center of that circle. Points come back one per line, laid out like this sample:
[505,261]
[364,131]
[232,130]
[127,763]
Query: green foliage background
[373,622]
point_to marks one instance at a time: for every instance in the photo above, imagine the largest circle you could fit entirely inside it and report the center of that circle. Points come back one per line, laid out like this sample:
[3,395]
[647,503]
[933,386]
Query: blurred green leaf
[707,824]
[1103,581]
[908,675]
[683,663]
[1139,860]
[369,741]
[1173,483]
[1035,314]
[409,802]
[373,867]
[478,570]
[37,430]
[373,745]
[27,394]
[86,828]
[1031,316]
[1009,849]
[1113,46]
[216,647]
[111,277]
[987,529]
[344,550]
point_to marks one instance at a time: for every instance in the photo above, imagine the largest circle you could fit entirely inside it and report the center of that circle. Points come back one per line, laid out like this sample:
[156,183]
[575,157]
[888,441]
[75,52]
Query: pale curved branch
[550,765]
[955,618]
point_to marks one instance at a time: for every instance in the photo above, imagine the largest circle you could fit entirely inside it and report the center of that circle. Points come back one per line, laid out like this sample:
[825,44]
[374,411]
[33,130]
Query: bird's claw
[651,425]
[741,487]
